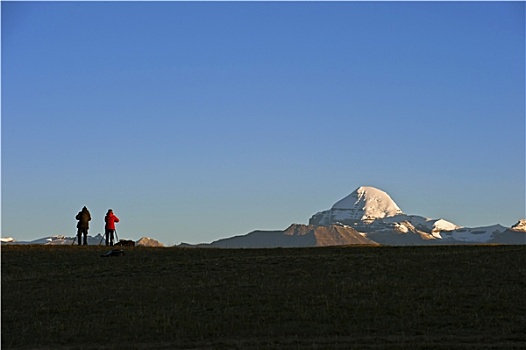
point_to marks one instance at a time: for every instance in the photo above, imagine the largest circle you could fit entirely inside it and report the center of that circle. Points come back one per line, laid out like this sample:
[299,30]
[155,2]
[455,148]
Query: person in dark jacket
[109,229]
[84,218]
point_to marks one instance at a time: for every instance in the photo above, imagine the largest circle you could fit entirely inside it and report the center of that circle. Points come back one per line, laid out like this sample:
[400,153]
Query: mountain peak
[364,205]
[149,242]
[368,203]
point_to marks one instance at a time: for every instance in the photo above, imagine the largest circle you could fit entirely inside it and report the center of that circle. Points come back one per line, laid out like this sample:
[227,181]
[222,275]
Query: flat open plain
[68,297]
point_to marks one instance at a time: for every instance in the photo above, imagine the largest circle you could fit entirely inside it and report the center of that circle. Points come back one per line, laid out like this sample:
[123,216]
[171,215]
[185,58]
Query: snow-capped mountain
[370,209]
[374,213]
[370,216]
[419,222]
[364,205]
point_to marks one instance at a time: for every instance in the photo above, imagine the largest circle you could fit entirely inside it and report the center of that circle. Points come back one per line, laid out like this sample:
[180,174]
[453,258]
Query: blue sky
[196,121]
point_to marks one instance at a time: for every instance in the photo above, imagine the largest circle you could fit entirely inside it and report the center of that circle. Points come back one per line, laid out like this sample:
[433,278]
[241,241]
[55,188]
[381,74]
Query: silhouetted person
[84,218]
[110,220]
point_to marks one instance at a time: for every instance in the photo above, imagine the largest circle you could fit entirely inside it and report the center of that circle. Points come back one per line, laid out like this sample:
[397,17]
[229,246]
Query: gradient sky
[196,121]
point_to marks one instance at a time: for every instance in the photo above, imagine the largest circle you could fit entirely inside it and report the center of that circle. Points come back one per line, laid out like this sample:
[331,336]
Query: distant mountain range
[63,240]
[367,216]
[296,235]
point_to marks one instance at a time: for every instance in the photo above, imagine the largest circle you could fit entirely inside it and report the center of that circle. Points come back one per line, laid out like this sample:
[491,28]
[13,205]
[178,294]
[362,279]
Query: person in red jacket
[110,220]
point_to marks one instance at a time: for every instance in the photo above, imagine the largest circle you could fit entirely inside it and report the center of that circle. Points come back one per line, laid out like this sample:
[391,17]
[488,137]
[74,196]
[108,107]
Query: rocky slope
[296,235]
[148,242]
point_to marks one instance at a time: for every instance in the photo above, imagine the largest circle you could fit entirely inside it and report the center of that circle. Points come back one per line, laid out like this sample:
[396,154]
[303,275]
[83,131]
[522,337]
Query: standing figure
[84,218]
[110,220]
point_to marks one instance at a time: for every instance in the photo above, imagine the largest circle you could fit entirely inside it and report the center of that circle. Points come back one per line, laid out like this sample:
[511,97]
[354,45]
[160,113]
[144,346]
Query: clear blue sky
[196,121]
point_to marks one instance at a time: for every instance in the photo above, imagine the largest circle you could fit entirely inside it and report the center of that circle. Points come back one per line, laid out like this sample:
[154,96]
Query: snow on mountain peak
[368,203]
[363,206]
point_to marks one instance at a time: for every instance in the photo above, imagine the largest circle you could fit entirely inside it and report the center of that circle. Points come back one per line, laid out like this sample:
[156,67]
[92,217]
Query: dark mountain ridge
[296,235]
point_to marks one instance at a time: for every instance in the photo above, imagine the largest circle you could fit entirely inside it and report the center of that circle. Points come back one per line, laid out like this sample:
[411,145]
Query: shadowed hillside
[295,236]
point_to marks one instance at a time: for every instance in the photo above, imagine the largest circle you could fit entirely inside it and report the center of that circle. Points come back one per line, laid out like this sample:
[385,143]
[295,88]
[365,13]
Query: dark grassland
[68,297]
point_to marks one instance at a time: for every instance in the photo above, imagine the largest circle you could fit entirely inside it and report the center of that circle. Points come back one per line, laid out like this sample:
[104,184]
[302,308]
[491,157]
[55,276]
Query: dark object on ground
[125,243]
[113,252]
